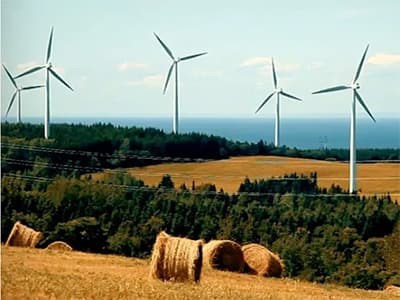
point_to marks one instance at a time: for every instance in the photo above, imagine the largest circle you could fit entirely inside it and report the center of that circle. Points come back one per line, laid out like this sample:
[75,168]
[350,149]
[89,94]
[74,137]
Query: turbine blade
[363,104]
[332,89]
[168,76]
[32,70]
[32,87]
[193,56]
[49,45]
[265,101]
[164,46]
[274,74]
[360,65]
[9,76]
[59,78]
[11,102]
[290,96]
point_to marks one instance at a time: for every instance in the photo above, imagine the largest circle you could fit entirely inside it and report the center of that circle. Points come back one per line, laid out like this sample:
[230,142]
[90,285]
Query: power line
[163,158]
[101,154]
[161,189]
[34,178]
[69,167]
[29,163]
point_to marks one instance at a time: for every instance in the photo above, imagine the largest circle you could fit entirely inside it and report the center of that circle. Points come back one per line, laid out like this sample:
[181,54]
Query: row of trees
[322,235]
[120,141]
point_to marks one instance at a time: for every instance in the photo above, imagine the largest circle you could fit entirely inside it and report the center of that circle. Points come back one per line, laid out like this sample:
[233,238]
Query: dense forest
[130,146]
[323,235]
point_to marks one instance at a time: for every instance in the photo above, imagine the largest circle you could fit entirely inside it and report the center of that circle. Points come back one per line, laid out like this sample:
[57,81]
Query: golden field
[44,274]
[373,178]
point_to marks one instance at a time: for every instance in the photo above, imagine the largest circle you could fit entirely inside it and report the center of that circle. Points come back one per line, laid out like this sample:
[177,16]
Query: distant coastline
[302,133]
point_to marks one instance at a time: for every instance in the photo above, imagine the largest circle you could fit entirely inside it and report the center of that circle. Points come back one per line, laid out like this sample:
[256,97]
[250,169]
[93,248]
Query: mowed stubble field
[373,178]
[42,274]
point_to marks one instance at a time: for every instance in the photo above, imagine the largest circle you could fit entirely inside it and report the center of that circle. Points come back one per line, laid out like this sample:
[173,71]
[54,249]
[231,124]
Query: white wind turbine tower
[17,92]
[354,86]
[49,70]
[175,62]
[278,91]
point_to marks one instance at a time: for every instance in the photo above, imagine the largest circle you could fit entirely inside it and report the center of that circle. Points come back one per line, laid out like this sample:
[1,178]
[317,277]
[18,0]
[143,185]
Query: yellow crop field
[44,274]
[373,178]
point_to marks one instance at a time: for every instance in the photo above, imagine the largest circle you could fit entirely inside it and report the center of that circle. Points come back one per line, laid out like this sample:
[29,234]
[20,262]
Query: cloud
[148,81]
[355,13]
[59,70]
[384,59]
[265,62]
[209,74]
[125,66]
[315,65]
[256,61]
[27,65]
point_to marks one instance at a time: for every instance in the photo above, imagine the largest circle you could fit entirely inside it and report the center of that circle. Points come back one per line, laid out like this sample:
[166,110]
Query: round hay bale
[157,257]
[176,259]
[23,236]
[261,261]
[224,255]
[59,246]
[392,289]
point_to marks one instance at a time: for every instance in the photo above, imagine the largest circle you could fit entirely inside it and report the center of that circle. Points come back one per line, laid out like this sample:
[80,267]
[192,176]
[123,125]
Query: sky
[107,52]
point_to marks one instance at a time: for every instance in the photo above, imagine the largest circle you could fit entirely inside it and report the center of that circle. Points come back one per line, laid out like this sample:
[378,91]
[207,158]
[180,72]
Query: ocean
[311,133]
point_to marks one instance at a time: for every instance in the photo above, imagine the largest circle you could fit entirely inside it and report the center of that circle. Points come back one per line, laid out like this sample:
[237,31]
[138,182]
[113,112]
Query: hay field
[373,178]
[42,274]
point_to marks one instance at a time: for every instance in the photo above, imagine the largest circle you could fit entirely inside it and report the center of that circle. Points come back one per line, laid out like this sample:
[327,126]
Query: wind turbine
[49,70]
[354,86]
[278,91]
[174,64]
[17,92]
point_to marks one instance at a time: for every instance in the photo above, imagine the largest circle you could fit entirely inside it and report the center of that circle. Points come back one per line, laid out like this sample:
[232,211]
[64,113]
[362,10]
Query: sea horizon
[300,132]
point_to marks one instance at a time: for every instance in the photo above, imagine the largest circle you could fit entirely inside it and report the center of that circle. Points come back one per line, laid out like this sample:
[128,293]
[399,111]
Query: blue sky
[107,52]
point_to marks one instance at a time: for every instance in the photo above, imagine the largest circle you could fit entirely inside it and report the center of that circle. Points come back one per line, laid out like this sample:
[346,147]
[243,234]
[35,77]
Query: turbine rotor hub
[278,90]
[355,86]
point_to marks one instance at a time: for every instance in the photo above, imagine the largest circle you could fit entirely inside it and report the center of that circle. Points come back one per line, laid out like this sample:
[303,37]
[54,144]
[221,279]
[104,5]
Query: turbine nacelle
[354,86]
[278,91]
[175,60]
[50,71]
[18,90]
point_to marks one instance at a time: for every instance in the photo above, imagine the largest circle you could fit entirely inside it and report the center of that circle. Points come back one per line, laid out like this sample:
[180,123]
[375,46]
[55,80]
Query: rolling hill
[373,178]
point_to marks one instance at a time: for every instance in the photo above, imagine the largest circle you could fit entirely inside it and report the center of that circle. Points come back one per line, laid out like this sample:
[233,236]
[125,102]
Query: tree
[166,182]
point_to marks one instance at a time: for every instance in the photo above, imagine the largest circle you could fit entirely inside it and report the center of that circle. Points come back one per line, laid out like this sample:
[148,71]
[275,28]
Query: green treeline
[322,235]
[121,144]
